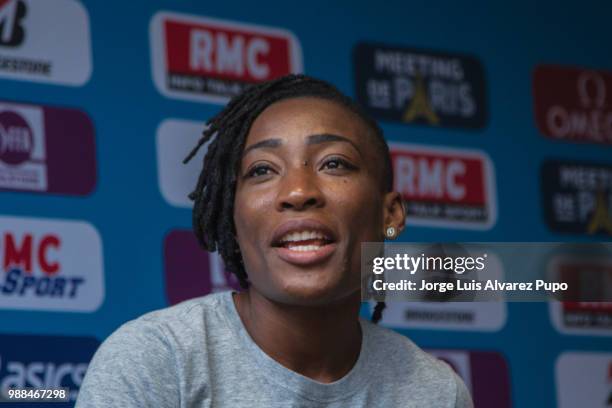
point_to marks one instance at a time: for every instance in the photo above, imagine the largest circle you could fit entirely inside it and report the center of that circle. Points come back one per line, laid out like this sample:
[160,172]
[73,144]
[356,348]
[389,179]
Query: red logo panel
[573,104]
[211,60]
[445,187]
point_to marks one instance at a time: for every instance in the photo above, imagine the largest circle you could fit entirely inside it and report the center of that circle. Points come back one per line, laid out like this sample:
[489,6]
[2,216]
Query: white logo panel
[50,265]
[45,41]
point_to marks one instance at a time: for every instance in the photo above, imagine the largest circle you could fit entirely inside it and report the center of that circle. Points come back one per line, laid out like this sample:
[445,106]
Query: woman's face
[308,193]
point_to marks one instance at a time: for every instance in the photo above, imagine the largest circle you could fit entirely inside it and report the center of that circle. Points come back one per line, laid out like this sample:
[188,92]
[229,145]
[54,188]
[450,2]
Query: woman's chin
[313,292]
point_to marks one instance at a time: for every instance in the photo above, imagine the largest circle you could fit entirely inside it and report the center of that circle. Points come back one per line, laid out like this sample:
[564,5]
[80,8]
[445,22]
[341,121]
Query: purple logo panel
[485,374]
[490,379]
[191,271]
[46,150]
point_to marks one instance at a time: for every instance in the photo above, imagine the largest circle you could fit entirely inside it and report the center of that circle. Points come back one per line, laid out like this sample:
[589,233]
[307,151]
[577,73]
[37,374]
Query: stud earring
[391,232]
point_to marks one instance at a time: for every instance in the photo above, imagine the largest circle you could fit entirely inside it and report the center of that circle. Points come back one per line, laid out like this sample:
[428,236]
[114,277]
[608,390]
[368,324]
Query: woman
[297,176]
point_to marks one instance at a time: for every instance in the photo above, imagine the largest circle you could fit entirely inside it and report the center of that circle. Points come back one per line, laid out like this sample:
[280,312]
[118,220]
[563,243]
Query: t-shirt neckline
[306,387]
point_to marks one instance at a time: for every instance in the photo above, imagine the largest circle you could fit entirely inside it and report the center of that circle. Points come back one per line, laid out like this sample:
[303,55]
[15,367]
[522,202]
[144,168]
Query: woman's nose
[299,190]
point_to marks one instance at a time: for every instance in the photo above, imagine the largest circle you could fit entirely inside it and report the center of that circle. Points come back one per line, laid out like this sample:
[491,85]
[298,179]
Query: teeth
[303,248]
[302,236]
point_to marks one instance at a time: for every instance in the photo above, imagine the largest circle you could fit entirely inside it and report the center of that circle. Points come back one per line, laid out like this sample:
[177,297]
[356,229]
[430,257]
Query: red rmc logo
[23,253]
[421,176]
[226,52]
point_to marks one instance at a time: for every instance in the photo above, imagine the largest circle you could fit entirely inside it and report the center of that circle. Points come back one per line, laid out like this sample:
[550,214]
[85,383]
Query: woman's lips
[304,258]
[300,225]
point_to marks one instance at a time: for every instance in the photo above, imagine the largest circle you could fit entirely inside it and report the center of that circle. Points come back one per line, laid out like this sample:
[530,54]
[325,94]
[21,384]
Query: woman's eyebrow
[310,140]
[263,144]
[328,137]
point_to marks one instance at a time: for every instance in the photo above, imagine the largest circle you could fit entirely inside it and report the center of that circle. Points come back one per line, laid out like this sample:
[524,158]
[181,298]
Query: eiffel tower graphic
[419,106]
[601,218]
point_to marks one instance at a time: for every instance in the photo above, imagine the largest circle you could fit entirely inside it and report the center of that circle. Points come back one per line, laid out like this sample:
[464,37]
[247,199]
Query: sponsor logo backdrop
[497,134]
[45,362]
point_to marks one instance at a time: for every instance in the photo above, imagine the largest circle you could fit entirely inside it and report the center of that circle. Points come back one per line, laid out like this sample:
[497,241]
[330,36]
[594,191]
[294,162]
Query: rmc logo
[22,257]
[210,60]
[12,13]
[50,265]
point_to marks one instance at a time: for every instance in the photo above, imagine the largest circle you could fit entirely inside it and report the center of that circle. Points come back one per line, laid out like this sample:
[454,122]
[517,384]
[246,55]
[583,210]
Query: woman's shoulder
[189,320]
[405,366]
[170,328]
[391,344]
[151,354]
[207,307]
[402,356]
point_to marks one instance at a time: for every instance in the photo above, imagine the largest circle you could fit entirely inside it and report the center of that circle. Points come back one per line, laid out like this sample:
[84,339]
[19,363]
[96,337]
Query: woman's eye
[337,163]
[257,171]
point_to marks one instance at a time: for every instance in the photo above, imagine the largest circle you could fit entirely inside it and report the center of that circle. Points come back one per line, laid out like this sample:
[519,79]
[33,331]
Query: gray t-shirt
[198,354]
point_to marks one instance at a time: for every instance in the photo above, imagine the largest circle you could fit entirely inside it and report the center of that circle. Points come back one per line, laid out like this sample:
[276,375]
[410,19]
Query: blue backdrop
[132,217]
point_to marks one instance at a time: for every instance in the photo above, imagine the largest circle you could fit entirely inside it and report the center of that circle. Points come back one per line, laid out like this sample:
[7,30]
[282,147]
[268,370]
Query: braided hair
[213,196]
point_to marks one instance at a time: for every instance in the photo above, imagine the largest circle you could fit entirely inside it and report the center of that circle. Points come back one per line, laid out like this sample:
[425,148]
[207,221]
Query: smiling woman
[296,177]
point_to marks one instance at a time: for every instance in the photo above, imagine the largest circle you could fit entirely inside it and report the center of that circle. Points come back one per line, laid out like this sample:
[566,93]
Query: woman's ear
[394,212]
